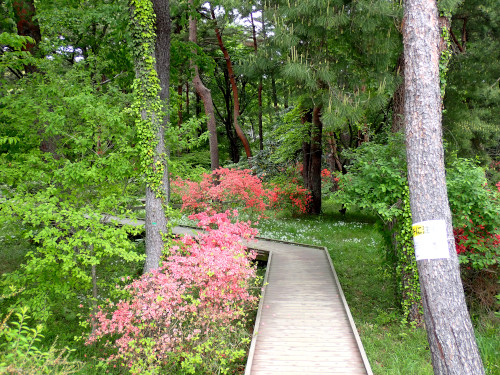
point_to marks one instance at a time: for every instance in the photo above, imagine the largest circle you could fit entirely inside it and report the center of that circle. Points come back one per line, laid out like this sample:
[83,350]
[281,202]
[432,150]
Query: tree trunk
[334,159]
[179,111]
[315,170]
[27,25]
[156,220]
[398,100]
[259,89]
[187,99]
[449,329]
[306,151]
[206,97]
[236,102]
[274,93]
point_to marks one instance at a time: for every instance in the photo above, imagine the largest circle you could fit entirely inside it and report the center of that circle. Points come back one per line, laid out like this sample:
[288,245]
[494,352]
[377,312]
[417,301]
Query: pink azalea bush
[188,315]
[224,188]
[220,188]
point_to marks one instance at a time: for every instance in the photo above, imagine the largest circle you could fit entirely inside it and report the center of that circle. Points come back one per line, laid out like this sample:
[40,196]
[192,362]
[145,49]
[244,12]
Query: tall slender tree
[449,328]
[234,87]
[206,97]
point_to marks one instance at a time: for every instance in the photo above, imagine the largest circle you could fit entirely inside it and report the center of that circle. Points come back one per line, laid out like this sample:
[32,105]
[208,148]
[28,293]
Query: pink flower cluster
[237,188]
[202,286]
[220,187]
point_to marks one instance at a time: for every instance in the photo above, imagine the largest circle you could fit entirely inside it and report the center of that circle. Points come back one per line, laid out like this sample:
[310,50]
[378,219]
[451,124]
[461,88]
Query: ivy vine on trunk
[150,97]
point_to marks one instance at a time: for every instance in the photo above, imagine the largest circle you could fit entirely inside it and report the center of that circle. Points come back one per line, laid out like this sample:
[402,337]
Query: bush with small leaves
[190,313]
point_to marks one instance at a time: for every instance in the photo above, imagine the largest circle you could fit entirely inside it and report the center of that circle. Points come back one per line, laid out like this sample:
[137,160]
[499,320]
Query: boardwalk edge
[351,320]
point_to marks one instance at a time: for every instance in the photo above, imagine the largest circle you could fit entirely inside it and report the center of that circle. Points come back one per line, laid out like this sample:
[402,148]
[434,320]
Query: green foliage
[339,55]
[13,56]
[376,178]
[70,240]
[377,181]
[444,60]
[73,163]
[20,352]
[94,33]
[473,93]
[477,212]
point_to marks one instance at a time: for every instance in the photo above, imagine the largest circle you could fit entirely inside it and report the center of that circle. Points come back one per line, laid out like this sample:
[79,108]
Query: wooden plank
[304,323]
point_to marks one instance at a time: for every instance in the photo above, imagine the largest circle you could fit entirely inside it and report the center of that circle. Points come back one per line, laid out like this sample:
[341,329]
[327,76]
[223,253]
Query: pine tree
[339,62]
[449,328]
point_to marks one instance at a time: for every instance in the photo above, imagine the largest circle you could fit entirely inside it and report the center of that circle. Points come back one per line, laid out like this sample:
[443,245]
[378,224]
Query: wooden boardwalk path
[303,324]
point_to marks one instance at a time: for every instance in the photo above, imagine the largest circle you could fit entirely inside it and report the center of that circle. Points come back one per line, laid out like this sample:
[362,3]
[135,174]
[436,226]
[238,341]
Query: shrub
[189,315]
[288,194]
[232,188]
[476,216]
[20,354]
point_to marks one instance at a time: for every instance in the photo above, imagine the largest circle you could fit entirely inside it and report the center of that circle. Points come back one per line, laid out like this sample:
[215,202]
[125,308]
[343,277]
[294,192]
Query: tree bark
[306,150]
[179,111]
[449,328]
[259,89]
[274,93]
[315,170]
[156,220]
[334,159]
[398,99]
[234,87]
[27,25]
[206,97]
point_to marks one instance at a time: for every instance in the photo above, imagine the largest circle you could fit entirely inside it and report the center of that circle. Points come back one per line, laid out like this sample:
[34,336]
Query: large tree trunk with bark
[234,87]
[27,25]
[306,150]
[206,97]
[156,220]
[311,162]
[449,329]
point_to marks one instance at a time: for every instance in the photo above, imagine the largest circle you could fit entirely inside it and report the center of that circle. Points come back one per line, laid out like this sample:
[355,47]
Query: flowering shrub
[229,188]
[477,246]
[476,216]
[288,194]
[189,314]
[221,188]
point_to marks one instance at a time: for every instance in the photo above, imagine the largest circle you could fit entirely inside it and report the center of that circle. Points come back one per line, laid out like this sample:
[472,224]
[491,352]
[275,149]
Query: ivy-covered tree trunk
[156,219]
[449,328]
[206,97]
[151,36]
